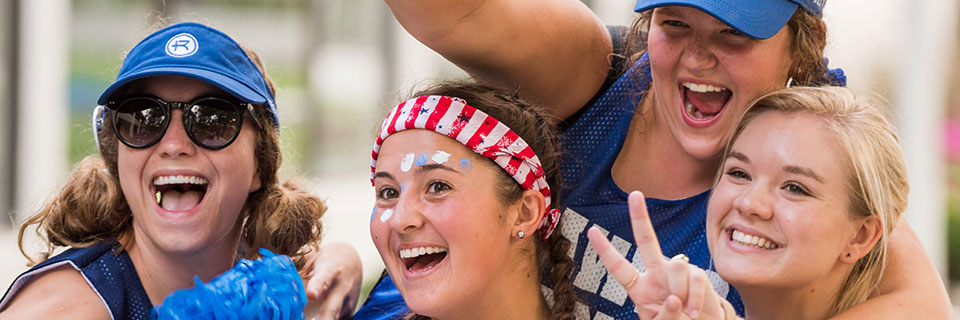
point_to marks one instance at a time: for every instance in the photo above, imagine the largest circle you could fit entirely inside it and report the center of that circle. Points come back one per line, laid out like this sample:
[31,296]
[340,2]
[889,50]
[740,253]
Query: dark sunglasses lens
[140,121]
[213,123]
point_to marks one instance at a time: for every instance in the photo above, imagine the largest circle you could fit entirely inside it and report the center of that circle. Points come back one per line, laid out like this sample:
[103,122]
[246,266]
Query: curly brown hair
[539,130]
[90,208]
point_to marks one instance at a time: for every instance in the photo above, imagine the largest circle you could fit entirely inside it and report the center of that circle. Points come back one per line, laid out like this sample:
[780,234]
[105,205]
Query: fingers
[647,244]
[616,264]
[320,282]
[677,274]
[672,307]
[698,291]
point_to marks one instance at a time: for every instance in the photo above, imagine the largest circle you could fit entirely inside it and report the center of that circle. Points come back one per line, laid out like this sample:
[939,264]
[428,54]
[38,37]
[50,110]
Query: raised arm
[556,52]
[910,287]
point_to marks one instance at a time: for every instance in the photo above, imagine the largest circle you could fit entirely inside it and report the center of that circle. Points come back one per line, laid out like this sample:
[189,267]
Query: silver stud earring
[520,234]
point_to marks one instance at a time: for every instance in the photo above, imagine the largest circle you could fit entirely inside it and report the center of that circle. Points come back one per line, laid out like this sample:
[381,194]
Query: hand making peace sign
[667,289]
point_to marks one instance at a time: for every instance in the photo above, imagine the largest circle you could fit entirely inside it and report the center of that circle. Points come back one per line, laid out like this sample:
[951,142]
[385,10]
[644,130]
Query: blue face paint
[421,160]
[465,165]
[372,214]
[403,188]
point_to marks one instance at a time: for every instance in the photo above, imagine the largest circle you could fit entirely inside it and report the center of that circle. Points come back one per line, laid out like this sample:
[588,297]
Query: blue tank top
[592,143]
[107,269]
[591,197]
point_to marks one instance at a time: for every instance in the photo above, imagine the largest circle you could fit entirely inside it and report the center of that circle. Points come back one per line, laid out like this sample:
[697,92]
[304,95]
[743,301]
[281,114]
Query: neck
[813,300]
[514,295]
[163,272]
[652,161]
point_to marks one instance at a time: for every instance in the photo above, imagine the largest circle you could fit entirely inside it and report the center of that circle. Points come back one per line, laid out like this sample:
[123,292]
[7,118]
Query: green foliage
[953,221]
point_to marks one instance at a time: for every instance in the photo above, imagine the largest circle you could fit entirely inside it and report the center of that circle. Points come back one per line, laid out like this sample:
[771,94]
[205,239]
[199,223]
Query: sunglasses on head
[212,122]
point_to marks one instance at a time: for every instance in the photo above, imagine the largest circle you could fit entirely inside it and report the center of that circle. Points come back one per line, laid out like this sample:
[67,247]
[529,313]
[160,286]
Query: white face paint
[406,162]
[386,215]
[440,157]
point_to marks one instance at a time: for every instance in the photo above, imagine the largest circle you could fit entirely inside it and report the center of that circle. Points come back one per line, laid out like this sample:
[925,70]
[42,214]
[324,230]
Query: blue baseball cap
[197,51]
[759,19]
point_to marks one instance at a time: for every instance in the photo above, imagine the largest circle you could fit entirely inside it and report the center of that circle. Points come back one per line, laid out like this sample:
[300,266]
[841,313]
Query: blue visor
[197,51]
[759,19]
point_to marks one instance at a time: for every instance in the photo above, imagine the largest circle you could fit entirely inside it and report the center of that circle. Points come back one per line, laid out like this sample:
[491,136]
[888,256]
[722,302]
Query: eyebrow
[803,171]
[788,168]
[738,156]
[382,174]
[434,166]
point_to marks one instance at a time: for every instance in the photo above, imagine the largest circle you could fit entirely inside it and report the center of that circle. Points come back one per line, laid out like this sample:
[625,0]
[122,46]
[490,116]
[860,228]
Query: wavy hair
[90,208]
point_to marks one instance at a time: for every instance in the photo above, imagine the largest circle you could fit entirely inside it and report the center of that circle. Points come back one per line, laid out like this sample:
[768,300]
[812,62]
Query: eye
[438,187]
[674,23]
[796,188]
[738,174]
[387,193]
[734,32]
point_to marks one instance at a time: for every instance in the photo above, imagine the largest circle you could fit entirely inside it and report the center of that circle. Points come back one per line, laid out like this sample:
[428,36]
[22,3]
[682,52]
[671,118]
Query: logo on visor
[181,45]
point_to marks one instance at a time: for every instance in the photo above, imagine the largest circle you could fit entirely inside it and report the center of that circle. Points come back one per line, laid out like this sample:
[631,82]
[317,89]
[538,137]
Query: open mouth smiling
[179,192]
[420,259]
[703,103]
[755,241]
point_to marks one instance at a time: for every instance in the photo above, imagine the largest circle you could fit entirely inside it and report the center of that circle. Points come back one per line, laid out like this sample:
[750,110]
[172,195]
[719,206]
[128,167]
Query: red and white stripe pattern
[483,134]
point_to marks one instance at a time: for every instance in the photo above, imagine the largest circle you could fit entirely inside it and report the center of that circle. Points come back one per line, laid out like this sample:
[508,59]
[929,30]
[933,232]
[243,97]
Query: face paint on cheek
[386,215]
[421,160]
[440,157]
[465,165]
[406,162]
[372,214]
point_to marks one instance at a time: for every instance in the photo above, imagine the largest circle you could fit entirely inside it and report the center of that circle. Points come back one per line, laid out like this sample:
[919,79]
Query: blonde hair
[877,183]
[283,218]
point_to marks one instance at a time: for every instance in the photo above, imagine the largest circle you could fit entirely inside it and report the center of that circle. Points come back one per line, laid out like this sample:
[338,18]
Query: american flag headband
[483,134]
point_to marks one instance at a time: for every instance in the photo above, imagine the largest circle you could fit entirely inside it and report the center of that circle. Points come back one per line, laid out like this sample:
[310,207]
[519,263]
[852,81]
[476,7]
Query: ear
[532,210]
[868,233]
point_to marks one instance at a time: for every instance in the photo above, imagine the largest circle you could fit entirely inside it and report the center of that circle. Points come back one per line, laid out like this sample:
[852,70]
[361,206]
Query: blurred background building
[340,64]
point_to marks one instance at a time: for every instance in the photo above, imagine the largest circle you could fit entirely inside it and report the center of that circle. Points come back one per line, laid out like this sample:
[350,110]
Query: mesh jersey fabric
[108,270]
[591,197]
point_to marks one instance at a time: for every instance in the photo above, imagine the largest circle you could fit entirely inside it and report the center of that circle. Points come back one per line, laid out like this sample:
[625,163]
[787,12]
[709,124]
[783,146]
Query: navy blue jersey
[107,269]
[591,197]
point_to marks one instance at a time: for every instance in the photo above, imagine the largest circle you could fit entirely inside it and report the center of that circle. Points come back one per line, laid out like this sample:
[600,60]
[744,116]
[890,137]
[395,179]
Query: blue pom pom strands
[266,288]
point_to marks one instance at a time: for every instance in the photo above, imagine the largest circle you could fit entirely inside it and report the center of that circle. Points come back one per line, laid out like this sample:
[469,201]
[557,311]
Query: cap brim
[760,19]
[227,84]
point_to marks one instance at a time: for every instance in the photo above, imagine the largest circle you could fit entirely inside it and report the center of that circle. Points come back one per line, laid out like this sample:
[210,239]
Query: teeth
[419,251]
[702,87]
[164,180]
[752,240]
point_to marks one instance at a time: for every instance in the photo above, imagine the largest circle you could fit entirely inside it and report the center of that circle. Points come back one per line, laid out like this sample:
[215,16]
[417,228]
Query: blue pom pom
[833,77]
[266,288]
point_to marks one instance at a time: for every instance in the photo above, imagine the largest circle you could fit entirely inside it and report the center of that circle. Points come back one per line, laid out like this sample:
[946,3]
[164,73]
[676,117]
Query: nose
[175,142]
[755,200]
[697,55]
[408,213]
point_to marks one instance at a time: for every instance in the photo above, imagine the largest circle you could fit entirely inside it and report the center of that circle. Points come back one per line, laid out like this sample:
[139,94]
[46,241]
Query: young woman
[465,217]
[811,186]
[661,127]
[187,185]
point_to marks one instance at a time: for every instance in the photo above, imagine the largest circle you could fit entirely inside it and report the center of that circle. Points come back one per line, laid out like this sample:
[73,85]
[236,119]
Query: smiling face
[778,217]
[186,199]
[439,223]
[705,74]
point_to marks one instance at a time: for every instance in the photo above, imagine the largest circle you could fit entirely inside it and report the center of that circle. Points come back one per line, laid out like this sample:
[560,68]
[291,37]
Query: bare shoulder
[60,293]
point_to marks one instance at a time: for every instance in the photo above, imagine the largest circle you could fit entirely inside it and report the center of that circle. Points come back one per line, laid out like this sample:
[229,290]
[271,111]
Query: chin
[703,149]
